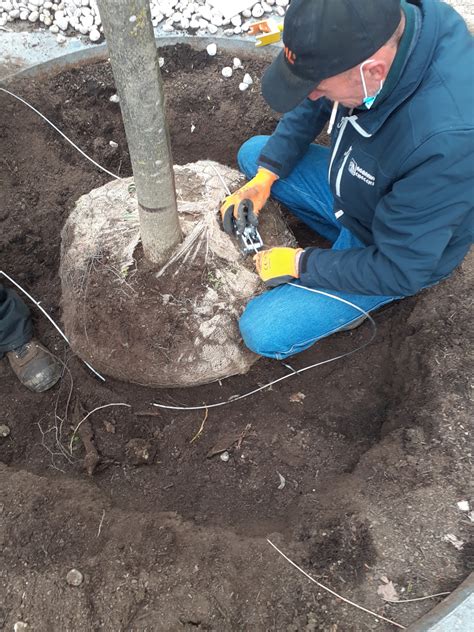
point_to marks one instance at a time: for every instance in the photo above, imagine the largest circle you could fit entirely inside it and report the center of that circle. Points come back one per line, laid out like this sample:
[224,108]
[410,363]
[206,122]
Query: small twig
[443,594]
[199,432]
[242,436]
[100,523]
[87,416]
[351,603]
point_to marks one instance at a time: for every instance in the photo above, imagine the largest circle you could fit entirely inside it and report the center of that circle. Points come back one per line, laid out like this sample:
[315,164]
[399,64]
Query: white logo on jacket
[360,173]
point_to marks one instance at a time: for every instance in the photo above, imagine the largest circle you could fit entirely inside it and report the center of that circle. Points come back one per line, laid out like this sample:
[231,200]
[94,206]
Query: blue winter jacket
[401,173]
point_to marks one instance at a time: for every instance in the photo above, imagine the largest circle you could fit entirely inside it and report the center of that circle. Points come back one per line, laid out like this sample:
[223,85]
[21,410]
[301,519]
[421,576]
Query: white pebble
[114,98]
[62,22]
[282,3]
[211,49]
[236,63]
[257,11]
[280,11]
[247,13]
[94,35]
[161,61]
[212,28]
[113,144]
[236,20]
[61,39]
[463,505]
[87,21]
[225,456]
[54,28]
[33,17]
[247,79]
[74,577]
[243,86]
[20,626]
[4,431]
[227,72]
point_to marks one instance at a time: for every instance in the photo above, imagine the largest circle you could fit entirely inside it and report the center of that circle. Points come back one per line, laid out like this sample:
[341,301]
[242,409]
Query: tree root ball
[174,326]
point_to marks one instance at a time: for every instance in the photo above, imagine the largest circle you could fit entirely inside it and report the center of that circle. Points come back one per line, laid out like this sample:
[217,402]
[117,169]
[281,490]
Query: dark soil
[375,455]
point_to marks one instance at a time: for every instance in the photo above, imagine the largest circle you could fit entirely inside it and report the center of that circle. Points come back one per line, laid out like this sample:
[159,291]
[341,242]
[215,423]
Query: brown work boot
[34,366]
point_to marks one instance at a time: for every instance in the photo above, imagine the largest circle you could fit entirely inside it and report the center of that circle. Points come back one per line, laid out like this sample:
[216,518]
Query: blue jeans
[286,320]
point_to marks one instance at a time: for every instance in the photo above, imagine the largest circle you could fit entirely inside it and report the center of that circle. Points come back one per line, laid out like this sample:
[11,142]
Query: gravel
[195,17]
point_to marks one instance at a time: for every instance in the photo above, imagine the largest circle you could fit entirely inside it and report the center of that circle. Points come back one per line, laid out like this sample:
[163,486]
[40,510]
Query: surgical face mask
[368,101]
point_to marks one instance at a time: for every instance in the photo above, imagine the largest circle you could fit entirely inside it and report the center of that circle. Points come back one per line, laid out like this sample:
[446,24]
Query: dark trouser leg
[16,327]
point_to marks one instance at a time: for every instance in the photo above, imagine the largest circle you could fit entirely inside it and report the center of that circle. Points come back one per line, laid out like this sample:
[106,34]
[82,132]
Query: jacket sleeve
[412,226]
[293,135]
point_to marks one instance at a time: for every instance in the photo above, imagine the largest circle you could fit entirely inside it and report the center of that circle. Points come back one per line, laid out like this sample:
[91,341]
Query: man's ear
[378,70]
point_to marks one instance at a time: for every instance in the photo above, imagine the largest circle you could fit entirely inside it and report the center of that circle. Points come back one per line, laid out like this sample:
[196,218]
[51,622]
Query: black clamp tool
[245,223]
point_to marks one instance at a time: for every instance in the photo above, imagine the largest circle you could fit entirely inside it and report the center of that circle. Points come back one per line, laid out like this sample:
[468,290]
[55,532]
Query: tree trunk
[134,59]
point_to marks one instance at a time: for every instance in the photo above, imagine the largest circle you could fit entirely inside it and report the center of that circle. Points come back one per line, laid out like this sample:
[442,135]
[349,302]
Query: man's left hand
[277,265]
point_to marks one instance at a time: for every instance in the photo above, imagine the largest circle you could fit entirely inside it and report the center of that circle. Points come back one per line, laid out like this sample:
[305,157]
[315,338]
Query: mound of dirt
[175,326]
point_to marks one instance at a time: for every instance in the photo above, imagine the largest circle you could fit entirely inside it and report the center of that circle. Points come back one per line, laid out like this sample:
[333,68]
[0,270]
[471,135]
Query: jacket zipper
[344,121]
[340,172]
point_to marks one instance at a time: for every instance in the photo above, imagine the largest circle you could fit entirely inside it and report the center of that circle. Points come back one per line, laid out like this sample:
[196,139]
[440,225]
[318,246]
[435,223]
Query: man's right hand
[256,190]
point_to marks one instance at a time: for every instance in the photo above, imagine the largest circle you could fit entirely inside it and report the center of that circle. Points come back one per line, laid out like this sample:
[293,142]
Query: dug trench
[354,468]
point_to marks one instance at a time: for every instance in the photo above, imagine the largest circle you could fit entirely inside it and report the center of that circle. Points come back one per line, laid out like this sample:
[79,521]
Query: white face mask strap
[361,69]
[368,101]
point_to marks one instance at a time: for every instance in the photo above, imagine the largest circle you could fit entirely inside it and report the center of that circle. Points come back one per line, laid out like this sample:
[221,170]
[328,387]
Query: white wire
[62,134]
[332,592]
[49,318]
[236,398]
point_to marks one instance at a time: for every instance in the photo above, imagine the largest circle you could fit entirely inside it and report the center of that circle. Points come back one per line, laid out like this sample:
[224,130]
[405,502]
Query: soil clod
[139,452]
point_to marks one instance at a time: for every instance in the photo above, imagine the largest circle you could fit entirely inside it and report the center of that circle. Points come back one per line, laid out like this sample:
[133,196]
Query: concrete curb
[47,56]
[453,614]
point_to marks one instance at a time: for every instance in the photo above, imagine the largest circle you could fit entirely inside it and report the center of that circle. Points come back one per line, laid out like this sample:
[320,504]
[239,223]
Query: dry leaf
[452,539]
[388,592]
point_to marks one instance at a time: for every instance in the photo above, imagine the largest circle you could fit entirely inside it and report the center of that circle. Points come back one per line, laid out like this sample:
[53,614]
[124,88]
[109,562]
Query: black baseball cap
[323,38]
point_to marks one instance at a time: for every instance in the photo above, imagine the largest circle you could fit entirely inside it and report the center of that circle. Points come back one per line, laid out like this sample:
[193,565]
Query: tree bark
[134,59]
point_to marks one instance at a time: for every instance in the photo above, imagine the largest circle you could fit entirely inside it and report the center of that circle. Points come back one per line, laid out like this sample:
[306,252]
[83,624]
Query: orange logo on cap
[290,56]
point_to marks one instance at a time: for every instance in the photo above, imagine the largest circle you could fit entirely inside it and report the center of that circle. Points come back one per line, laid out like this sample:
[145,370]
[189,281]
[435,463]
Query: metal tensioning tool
[244,224]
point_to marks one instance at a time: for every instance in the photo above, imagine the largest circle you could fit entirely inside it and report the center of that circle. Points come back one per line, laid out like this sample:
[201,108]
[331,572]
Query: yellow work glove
[277,265]
[244,205]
